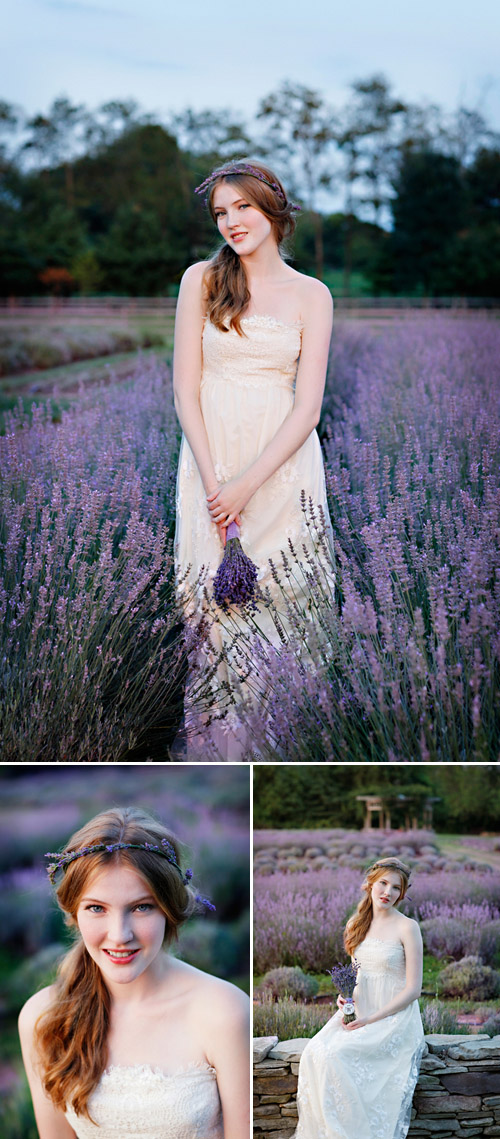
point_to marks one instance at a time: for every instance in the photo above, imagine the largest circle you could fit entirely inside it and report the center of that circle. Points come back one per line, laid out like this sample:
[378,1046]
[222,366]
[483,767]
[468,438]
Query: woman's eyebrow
[235,203]
[135,902]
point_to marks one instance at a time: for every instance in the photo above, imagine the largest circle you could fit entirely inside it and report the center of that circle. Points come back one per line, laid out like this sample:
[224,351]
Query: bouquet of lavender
[344,979]
[236,576]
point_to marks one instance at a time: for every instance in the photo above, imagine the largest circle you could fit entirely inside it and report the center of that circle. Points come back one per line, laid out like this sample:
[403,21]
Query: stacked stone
[457,1095]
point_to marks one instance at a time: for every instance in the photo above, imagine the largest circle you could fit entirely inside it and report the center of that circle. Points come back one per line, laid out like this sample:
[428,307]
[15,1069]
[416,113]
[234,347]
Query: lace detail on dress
[146,1103]
[362,1083]
[246,393]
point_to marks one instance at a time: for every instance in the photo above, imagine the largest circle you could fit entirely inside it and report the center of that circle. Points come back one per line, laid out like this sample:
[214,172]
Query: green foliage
[290,981]
[288,1019]
[489,944]
[437,1018]
[492,1025]
[32,974]
[17,1120]
[468,797]
[469,978]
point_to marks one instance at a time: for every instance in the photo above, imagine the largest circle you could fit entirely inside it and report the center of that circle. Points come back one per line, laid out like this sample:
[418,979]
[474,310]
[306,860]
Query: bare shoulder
[219,1000]
[192,278]
[313,293]
[34,1007]
[409,928]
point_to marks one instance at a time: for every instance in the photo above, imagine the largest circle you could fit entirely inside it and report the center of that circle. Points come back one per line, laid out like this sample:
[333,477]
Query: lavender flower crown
[165,849]
[240,168]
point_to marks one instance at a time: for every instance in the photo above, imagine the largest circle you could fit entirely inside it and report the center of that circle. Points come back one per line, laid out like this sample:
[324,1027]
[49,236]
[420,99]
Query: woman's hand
[340,1001]
[226,503]
[360,1023]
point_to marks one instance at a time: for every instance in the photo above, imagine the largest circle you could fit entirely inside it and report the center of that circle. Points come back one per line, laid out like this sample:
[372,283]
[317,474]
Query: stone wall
[457,1094]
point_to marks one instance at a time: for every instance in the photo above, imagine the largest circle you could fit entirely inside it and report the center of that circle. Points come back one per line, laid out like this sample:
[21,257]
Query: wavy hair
[358,925]
[226,292]
[71,1034]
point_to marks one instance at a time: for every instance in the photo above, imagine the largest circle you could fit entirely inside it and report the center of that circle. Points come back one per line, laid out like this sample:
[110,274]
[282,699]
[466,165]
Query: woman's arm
[227,1024]
[228,501]
[50,1121]
[187,372]
[412,941]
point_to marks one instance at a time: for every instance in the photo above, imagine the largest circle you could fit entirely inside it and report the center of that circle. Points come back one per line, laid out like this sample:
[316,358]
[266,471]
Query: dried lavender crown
[165,849]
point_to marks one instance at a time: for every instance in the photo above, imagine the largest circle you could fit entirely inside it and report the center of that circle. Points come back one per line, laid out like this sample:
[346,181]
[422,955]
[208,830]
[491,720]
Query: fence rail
[132,305]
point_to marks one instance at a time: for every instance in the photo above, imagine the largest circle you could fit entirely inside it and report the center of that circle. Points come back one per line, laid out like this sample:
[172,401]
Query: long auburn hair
[226,292]
[71,1035]
[358,925]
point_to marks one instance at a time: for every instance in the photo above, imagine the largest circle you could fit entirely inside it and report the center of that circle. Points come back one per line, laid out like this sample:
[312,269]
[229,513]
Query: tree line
[466,797]
[102,201]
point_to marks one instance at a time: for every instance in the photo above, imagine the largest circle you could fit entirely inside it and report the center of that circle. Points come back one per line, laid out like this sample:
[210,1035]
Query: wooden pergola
[417,811]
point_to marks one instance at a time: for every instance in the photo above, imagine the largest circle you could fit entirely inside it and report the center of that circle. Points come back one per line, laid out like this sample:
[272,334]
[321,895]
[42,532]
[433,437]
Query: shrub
[290,981]
[288,1019]
[445,938]
[492,1025]
[469,978]
[299,919]
[89,631]
[436,1017]
[489,944]
[33,974]
[456,931]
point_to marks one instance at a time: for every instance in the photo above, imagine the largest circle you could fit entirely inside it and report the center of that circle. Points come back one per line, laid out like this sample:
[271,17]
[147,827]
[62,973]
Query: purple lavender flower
[344,979]
[236,577]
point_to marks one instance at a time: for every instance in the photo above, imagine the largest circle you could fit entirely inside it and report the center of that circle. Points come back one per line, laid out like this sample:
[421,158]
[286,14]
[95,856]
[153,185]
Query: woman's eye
[94,908]
[144,906]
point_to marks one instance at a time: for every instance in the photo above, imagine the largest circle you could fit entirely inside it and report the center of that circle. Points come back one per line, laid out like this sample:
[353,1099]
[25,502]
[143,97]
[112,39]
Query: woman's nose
[120,928]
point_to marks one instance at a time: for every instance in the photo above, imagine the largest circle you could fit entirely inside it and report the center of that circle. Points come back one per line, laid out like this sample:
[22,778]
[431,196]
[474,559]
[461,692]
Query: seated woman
[356,1081]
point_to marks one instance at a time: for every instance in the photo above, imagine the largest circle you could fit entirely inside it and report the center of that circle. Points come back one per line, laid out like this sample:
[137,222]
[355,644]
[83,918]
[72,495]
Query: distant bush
[492,1025]
[469,978]
[32,975]
[288,1019]
[489,944]
[436,1017]
[21,350]
[290,981]
[17,1120]
[455,931]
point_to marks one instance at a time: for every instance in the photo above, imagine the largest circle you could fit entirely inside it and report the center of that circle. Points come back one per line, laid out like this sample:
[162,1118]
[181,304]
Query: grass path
[67,378]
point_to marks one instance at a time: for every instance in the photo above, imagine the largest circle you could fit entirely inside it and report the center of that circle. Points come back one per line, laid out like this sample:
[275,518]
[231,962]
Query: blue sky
[216,53]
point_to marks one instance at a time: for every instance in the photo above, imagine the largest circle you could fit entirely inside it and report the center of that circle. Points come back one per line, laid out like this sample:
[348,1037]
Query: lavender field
[307,884]
[92,649]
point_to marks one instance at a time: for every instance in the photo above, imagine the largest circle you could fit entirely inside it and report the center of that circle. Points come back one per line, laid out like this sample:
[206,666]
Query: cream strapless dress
[146,1103]
[246,393]
[360,1084]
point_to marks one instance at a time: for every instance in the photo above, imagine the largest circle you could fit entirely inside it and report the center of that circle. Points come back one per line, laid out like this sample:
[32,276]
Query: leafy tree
[214,136]
[134,256]
[428,211]
[300,131]
[52,140]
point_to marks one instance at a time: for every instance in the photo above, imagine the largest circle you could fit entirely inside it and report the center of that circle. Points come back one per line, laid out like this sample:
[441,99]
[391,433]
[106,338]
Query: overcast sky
[230,53]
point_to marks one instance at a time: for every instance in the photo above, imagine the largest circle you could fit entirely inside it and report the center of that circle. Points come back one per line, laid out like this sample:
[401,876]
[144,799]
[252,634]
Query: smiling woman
[129,1040]
[251,348]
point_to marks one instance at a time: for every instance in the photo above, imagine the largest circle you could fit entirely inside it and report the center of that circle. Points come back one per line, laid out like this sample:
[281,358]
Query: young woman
[251,349]
[358,1079]
[129,1040]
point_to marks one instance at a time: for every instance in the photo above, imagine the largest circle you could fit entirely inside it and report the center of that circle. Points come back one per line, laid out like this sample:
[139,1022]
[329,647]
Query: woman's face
[386,890]
[243,226]
[121,923]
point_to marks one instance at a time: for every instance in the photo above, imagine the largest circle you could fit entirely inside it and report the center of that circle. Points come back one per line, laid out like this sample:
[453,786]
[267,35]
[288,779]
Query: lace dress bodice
[146,1103]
